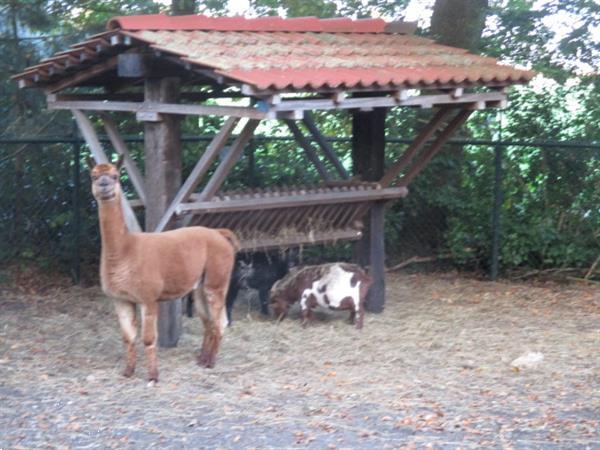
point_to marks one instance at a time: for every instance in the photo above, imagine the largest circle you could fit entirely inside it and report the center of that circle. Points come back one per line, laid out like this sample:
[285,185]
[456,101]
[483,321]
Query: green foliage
[550,214]
[555,38]
[325,8]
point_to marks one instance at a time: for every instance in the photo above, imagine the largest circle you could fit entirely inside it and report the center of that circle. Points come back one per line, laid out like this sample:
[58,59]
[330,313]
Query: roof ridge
[238,23]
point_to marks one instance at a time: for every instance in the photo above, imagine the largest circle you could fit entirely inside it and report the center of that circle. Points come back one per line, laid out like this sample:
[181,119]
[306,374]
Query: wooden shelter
[162,67]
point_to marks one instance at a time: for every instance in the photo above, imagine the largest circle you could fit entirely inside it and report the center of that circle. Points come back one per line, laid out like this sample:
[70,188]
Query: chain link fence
[508,205]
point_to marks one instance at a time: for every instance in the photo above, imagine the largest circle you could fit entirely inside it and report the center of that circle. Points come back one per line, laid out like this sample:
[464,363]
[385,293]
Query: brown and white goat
[337,286]
[145,268]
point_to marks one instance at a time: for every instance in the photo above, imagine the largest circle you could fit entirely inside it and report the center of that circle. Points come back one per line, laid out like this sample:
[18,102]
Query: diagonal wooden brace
[91,138]
[435,147]
[199,170]
[434,125]
[119,145]
[325,146]
[310,152]
[218,177]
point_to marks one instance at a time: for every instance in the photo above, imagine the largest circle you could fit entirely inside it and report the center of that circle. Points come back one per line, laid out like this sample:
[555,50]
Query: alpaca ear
[91,163]
[119,162]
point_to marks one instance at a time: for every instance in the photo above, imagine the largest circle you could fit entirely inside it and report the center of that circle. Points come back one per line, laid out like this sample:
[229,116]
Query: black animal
[255,271]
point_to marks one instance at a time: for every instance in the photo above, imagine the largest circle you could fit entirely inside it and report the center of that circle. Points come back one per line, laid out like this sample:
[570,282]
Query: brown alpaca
[145,268]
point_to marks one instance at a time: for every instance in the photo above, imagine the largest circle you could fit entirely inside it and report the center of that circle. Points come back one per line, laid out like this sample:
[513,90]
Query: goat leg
[307,316]
[360,316]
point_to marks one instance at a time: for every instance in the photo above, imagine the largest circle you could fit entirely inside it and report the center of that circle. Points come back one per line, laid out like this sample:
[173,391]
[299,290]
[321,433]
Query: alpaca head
[105,180]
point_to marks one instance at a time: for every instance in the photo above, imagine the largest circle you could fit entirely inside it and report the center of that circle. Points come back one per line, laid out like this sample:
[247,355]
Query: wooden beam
[229,161]
[199,170]
[251,91]
[83,75]
[293,107]
[434,124]
[435,147]
[426,101]
[325,146]
[299,200]
[138,97]
[157,107]
[310,152]
[91,138]
[119,145]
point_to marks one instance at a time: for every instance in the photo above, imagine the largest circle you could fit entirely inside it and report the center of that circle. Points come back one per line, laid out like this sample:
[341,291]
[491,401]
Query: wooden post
[376,299]
[162,143]
[368,161]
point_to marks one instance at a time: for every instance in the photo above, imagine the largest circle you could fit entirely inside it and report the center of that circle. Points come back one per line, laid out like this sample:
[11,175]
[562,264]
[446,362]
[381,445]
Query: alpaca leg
[149,337]
[203,311]
[128,323]
[218,315]
[216,284]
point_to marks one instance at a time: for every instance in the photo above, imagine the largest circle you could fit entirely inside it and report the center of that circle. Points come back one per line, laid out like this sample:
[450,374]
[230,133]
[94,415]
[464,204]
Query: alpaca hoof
[202,360]
[206,361]
[128,372]
[152,383]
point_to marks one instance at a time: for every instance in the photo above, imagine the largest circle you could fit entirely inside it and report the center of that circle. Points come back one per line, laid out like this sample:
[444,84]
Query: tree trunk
[459,23]
[183,7]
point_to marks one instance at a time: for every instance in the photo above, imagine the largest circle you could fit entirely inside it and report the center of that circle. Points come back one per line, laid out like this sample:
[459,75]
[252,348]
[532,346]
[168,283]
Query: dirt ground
[432,371]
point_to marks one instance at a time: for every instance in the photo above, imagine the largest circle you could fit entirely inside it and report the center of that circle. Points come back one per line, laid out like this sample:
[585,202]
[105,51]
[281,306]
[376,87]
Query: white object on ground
[528,360]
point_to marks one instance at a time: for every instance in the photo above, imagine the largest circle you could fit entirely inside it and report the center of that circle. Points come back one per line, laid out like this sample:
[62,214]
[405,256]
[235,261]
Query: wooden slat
[91,138]
[295,201]
[325,146]
[310,153]
[434,124]
[199,170]
[229,161]
[299,239]
[119,144]
[435,147]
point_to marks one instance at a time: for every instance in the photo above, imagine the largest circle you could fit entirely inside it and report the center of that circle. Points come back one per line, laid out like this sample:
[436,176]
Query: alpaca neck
[113,229]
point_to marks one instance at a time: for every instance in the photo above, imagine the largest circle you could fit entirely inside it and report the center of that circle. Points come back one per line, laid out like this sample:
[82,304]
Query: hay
[433,368]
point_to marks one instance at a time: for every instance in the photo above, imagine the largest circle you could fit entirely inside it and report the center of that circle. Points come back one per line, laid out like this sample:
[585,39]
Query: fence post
[497,206]
[76,205]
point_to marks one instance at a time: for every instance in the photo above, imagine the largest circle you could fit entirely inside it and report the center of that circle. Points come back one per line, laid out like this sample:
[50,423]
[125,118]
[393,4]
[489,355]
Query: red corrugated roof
[200,22]
[296,54]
